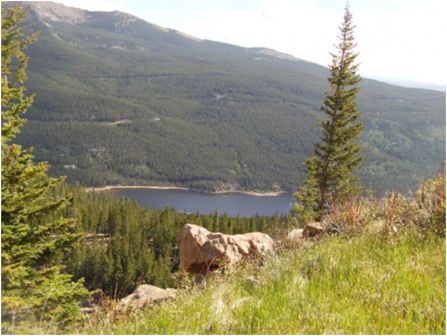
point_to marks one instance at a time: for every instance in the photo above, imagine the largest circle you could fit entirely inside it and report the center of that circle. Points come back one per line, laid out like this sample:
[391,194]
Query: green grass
[367,284]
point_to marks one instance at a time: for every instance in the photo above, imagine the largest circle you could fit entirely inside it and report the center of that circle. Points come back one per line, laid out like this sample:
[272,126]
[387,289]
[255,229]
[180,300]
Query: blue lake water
[205,203]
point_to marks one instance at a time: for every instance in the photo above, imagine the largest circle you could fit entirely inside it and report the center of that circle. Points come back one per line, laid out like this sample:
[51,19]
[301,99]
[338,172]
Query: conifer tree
[308,197]
[329,171]
[35,234]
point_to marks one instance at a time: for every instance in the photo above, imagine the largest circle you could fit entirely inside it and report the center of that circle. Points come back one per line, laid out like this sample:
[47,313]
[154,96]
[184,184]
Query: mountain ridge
[53,6]
[204,114]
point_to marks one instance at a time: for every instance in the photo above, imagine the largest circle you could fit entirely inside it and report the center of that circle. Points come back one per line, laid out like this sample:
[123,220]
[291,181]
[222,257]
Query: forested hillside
[122,101]
[125,245]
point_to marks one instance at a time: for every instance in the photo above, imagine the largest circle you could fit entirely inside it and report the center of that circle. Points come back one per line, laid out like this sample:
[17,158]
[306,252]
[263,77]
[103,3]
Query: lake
[206,203]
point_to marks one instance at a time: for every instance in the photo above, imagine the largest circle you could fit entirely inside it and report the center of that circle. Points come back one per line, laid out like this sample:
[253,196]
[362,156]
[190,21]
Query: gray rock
[313,229]
[146,295]
[295,234]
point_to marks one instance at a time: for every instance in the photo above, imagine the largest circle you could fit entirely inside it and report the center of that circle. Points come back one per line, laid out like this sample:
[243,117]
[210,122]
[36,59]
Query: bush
[391,214]
[430,204]
[351,217]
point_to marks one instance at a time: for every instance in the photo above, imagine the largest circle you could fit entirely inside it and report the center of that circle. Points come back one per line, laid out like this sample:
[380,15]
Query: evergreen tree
[35,234]
[307,197]
[329,170]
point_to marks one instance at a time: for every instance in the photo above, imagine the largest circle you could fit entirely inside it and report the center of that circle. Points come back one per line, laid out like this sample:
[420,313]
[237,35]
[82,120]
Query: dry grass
[351,217]
[430,202]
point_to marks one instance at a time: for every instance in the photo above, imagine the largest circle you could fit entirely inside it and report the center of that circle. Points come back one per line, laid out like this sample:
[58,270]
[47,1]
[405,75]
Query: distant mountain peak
[48,12]
[55,12]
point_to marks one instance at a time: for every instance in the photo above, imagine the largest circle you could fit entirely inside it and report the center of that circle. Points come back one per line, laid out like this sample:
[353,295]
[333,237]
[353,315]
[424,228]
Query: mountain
[413,84]
[422,85]
[123,101]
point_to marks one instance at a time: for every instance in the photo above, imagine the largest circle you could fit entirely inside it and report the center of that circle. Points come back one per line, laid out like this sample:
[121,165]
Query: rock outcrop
[202,251]
[313,229]
[146,295]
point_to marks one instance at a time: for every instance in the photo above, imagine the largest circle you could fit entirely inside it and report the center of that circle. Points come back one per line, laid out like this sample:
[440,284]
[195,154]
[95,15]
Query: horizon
[416,61]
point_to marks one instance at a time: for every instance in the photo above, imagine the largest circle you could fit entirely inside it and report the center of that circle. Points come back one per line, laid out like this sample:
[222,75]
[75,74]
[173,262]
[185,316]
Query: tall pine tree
[35,234]
[329,171]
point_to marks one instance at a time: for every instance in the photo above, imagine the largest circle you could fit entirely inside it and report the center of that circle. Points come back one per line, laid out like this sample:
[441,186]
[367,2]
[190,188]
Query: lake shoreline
[158,187]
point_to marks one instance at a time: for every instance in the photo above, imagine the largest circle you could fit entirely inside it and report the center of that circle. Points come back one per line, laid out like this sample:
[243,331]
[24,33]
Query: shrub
[351,217]
[430,204]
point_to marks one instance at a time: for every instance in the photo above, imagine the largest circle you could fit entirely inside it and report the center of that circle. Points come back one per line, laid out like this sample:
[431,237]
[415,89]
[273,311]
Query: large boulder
[202,251]
[146,295]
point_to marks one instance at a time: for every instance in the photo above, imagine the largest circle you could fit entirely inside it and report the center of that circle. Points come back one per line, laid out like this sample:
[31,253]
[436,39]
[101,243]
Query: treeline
[124,244]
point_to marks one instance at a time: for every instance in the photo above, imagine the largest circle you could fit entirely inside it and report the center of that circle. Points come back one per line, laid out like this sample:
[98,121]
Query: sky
[398,40]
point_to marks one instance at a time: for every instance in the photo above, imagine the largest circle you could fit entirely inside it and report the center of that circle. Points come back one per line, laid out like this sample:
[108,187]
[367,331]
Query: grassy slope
[367,284]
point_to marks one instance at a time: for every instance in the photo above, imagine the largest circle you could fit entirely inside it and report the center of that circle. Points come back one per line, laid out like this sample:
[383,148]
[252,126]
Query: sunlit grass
[366,284]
